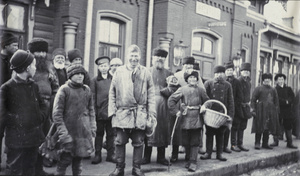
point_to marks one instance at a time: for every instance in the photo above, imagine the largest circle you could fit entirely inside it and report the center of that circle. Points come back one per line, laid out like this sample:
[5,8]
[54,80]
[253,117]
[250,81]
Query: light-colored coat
[131,98]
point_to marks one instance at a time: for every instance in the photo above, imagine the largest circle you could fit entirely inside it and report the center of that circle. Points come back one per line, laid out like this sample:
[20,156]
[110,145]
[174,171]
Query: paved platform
[237,163]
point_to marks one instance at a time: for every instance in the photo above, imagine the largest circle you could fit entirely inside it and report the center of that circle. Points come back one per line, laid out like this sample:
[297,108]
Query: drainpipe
[88,34]
[149,33]
[260,32]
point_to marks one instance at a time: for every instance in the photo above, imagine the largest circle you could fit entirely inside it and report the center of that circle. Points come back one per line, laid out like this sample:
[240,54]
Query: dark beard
[41,64]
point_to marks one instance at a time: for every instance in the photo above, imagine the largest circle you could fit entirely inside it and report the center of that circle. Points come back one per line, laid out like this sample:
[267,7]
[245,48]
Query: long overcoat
[296,110]
[131,98]
[265,104]
[74,115]
[286,98]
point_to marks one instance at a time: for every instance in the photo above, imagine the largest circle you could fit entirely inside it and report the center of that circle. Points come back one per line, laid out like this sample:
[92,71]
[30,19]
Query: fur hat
[187,75]
[37,45]
[188,60]
[74,69]
[246,66]
[280,75]
[59,51]
[7,39]
[102,60]
[116,61]
[74,53]
[160,52]
[266,76]
[229,65]
[21,60]
[219,69]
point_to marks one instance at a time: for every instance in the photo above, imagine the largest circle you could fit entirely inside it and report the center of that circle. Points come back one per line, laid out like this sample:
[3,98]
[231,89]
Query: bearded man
[59,60]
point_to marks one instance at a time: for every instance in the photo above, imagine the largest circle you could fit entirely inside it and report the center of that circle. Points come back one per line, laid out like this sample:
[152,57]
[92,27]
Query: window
[12,16]
[202,44]
[111,37]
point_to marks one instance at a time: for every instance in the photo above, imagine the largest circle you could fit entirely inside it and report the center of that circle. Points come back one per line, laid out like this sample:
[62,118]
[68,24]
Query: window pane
[196,45]
[207,46]
[114,32]
[103,50]
[15,18]
[114,52]
[1,16]
[104,30]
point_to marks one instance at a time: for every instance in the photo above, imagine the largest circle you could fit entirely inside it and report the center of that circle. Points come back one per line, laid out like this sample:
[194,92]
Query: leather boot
[226,140]
[193,154]
[234,141]
[98,147]
[276,141]
[209,146]
[147,155]
[97,159]
[119,171]
[220,143]
[120,159]
[240,141]
[257,141]
[137,159]
[161,151]
[174,156]
[265,143]
[288,134]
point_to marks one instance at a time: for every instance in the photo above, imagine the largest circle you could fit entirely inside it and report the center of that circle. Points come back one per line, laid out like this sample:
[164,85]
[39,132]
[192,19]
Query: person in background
[237,97]
[59,60]
[240,120]
[74,118]
[192,98]
[48,86]
[296,110]
[219,89]
[286,98]
[114,64]
[265,105]
[131,104]
[160,138]
[75,58]
[100,88]
[22,115]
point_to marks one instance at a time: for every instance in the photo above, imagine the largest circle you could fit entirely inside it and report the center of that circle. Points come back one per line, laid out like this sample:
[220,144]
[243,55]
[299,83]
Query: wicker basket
[213,118]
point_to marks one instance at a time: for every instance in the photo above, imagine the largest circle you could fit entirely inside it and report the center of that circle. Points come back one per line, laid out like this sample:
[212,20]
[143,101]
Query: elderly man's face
[245,73]
[158,61]
[134,59]
[267,81]
[40,54]
[59,61]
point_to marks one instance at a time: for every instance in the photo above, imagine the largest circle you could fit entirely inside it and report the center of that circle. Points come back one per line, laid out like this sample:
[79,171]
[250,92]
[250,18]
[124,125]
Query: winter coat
[61,75]
[286,98]
[296,110]
[74,115]
[246,89]
[5,68]
[191,96]
[222,91]
[161,134]
[237,95]
[22,113]
[131,98]
[265,104]
[100,88]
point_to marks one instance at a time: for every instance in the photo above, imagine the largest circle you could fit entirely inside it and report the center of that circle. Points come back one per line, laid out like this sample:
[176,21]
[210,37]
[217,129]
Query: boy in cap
[240,120]
[74,117]
[22,115]
[100,88]
[192,98]
[75,58]
[286,117]
[265,105]
[160,138]
[114,64]
[219,89]
[59,60]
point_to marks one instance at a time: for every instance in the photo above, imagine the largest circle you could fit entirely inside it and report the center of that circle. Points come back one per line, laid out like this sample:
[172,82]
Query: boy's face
[220,75]
[78,78]
[12,48]
[280,81]
[192,80]
[103,68]
[77,60]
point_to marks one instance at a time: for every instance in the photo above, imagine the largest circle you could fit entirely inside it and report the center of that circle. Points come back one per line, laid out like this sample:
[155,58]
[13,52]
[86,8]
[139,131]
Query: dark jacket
[22,113]
[5,68]
[245,101]
[237,95]
[100,89]
[222,91]
[286,98]
[61,75]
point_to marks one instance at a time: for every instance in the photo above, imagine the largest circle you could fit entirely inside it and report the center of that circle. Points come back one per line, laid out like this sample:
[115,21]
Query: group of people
[150,106]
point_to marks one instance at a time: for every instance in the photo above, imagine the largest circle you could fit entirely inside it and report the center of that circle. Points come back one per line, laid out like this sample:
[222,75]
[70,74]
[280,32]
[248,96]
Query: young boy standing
[100,88]
[192,98]
[74,117]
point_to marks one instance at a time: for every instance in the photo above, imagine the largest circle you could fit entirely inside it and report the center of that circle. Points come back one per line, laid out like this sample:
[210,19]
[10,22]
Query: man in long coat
[286,117]
[296,110]
[131,103]
[265,105]
[160,138]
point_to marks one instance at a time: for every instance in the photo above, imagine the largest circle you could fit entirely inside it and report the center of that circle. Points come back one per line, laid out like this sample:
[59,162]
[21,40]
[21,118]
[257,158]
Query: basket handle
[218,102]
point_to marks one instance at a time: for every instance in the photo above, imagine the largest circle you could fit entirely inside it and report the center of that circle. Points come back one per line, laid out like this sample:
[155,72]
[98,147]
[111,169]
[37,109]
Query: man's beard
[41,64]
[59,65]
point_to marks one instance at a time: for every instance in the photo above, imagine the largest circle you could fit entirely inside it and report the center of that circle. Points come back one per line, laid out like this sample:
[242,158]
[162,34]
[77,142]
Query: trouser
[265,139]
[201,138]
[237,131]
[161,152]
[65,160]
[226,137]
[21,161]
[191,141]
[219,132]
[105,126]
[137,137]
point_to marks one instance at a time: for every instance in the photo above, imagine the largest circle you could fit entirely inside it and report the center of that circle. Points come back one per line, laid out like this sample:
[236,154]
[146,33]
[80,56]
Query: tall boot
[98,147]
[147,155]
[192,165]
[220,144]
[161,152]
[120,159]
[226,140]
[209,146]
[110,139]
[265,143]
[240,141]
[137,158]
[175,149]
[257,141]
[288,134]
[276,141]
